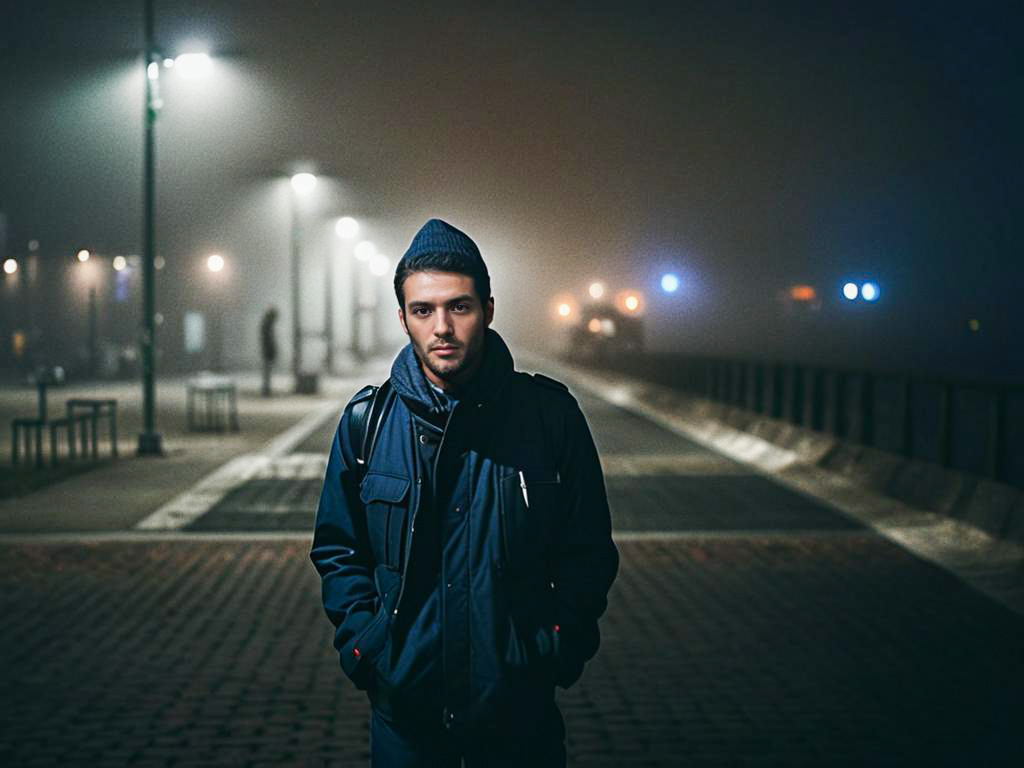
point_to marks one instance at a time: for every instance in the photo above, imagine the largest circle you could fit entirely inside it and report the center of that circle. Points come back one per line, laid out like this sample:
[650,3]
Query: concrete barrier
[995,508]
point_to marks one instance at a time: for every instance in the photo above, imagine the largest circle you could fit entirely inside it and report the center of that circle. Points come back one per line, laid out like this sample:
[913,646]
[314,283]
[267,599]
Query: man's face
[445,323]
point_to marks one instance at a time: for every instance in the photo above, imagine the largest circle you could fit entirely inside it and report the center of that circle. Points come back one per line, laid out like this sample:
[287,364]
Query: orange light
[630,302]
[594,326]
[803,293]
[565,307]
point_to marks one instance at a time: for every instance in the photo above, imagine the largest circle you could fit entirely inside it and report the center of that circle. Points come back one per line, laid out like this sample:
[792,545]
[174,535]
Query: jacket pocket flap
[378,487]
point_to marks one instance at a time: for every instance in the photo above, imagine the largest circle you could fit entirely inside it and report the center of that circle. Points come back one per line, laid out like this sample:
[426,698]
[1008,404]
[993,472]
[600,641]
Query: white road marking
[204,495]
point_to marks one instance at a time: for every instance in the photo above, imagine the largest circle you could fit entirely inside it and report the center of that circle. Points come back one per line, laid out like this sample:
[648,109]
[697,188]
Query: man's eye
[461,307]
[421,311]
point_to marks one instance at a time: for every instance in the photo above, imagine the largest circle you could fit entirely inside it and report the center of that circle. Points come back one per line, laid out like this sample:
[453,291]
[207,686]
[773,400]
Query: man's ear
[401,319]
[489,311]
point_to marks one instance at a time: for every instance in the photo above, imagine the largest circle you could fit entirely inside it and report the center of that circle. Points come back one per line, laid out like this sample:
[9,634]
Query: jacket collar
[410,382]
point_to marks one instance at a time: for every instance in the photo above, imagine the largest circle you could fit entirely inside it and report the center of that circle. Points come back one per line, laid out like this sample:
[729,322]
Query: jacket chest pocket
[530,500]
[386,500]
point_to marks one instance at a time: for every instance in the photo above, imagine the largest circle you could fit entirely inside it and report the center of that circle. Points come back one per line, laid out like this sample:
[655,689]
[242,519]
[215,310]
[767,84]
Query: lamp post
[193,65]
[345,228]
[301,183]
[149,440]
[364,251]
[215,265]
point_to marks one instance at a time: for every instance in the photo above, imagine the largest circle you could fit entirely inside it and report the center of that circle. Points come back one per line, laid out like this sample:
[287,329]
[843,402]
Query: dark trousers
[536,740]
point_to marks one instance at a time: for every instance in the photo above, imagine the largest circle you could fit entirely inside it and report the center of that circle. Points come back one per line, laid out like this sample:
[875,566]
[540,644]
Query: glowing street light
[346,228]
[596,290]
[869,291]
[850,291]
[150,443]
[630,302]
[192,66]
[215,263]
[83,255]
[670,282]
[365,250]
[379,264]
[303,183]
[10,266]
[119,263]
[564,310]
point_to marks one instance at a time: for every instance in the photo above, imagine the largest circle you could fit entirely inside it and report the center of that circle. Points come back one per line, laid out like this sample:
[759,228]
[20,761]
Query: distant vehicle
[605,330]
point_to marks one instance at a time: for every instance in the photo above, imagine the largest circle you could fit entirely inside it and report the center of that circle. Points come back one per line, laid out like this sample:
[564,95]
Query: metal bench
[26,429]
[96,408]
[69,423]
[219,409]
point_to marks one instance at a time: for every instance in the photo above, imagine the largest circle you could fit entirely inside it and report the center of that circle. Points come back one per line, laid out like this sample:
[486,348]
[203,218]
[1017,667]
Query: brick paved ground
[836,649]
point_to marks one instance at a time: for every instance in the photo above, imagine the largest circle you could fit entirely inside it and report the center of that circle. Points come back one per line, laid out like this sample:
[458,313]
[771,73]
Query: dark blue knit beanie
[438,245]
[438,236]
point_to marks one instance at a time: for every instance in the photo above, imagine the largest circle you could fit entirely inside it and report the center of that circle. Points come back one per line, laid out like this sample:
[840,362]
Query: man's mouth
[444,349]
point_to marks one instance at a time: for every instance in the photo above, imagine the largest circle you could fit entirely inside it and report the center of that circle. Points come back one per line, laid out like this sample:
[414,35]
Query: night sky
[746,146]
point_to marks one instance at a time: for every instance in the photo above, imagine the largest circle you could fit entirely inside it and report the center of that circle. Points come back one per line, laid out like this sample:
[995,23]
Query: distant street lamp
[10,266]
[302,185]
[850,291]
[346,228]
[365,250]
[215,263]
[869,291]
[632,303]
[83,255]
[191,65]
[379,265]
[596,290]
[564,310]
[119,263]
[669,283]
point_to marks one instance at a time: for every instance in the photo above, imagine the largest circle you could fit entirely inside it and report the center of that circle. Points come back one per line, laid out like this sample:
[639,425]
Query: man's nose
[442,323]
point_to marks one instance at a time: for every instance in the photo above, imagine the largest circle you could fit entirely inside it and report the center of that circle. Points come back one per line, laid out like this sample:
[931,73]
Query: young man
[465,564]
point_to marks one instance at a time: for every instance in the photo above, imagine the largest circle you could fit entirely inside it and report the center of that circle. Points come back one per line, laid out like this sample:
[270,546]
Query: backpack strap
[364,424]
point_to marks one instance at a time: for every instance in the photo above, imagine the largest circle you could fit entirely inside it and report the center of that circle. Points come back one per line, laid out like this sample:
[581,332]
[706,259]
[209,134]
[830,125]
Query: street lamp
[10,266]
[345,228]
[365,250]
[215,264]
[191,64]
[596,290]
[302,185]
[670,282]
[83,255]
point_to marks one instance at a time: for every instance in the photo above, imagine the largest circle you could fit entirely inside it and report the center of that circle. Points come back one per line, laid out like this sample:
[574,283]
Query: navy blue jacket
[468,571]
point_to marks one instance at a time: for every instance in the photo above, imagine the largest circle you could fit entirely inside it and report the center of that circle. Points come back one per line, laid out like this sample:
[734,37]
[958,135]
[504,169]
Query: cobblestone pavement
[833,649]
[750,626]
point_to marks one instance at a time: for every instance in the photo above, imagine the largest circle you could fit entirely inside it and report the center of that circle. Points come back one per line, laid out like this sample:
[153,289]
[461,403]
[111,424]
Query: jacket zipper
[416,509]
